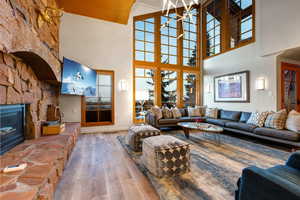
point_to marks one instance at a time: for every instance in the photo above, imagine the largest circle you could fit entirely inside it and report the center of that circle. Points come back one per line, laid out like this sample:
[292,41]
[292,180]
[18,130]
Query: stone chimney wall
[20,77]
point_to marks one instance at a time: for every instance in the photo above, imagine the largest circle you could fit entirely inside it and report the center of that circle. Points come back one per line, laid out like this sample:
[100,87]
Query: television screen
[78,79]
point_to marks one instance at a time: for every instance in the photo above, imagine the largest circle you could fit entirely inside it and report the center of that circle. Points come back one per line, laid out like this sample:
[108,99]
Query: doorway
[290,86]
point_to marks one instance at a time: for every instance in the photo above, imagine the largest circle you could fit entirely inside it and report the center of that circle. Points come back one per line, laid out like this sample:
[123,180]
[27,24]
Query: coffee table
[203,127]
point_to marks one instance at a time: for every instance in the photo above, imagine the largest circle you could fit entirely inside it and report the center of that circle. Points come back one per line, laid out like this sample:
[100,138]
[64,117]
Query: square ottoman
[166,156]
[136,134]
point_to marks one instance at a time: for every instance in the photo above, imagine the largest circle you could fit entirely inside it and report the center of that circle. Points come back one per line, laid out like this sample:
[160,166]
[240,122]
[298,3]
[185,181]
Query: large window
[144,91]
[189,89]
[240,21]
[168,88]
[144,40]
[99,110]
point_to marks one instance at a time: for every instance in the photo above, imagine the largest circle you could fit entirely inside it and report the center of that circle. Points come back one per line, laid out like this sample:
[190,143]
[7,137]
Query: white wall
[104,45]
[70,106]
[260,57]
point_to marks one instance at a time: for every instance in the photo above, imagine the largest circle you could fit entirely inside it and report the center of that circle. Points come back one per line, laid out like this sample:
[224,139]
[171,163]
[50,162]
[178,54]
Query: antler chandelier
[187,14]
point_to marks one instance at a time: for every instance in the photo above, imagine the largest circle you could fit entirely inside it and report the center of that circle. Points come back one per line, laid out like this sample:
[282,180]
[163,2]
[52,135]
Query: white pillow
[293,121]
[258,119]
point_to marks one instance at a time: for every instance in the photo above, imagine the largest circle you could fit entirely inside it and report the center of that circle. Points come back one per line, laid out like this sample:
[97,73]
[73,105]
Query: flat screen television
[78,79]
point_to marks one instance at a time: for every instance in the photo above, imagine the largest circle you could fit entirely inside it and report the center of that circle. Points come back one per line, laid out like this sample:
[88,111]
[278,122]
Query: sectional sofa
[234,122]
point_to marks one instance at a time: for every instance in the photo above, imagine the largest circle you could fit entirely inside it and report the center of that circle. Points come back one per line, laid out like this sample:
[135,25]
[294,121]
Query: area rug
[215,168]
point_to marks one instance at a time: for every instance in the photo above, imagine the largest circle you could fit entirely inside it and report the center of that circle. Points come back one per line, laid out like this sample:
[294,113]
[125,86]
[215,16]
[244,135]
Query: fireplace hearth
[12,126]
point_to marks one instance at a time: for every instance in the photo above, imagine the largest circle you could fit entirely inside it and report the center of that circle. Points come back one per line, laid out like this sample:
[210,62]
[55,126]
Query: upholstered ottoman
[166,156]
[136,134]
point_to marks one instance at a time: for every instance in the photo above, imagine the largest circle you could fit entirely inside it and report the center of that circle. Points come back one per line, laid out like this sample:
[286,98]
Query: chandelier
[187,14]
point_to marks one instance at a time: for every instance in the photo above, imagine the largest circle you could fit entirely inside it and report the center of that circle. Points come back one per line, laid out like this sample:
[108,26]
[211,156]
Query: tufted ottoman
[136,134]
[166,156]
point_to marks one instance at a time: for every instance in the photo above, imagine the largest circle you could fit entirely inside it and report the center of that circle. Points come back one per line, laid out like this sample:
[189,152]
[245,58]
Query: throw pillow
[258,119]
[167,113]
[202,110]
[157,112]
[176,113]
[211,113]
[194,112]
[293,121]
[276,120]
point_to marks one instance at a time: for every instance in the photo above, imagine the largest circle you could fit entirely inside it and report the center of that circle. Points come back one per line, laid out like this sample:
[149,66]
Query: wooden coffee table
[203,127]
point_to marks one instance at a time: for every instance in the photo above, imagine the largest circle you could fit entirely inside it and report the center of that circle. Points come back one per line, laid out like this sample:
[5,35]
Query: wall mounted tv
[78,79]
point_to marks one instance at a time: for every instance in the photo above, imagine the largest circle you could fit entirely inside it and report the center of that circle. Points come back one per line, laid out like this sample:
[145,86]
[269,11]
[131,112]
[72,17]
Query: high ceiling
[111,10]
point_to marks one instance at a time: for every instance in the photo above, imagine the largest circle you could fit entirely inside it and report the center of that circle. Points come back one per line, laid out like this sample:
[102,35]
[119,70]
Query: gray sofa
[234,122]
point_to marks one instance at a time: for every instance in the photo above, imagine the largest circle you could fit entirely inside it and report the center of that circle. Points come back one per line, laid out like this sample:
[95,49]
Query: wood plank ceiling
[110,10]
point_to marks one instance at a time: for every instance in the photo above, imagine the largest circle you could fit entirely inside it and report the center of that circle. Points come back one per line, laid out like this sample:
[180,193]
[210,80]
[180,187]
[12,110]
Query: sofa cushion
[245,116]
[194,112]
[281,134]
[240,126]
[167,113]
[168,121]
[176,113]
[287,173]
[258,118]
[219,122]
[230,115]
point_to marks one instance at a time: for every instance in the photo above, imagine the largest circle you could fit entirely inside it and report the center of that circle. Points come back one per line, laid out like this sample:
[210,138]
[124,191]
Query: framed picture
[232,87]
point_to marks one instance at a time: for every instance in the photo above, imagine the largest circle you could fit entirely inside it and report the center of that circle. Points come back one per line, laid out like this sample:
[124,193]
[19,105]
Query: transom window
[144,40]
[213,17]
[241,21]
[168,39]
[190,39]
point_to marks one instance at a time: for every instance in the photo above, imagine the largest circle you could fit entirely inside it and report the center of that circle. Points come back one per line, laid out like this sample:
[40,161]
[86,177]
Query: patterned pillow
[202,110]
[293,121]
[258,119]
[176,113]
[167,113]
[276,120]
[193,112]
[211,113]
[157,112]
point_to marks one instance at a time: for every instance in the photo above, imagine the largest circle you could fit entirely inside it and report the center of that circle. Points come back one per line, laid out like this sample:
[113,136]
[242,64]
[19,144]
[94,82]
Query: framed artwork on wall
[232,88]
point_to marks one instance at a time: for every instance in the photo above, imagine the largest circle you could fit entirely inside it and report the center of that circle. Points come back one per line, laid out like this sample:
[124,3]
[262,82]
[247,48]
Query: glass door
[99,110]
[290,86]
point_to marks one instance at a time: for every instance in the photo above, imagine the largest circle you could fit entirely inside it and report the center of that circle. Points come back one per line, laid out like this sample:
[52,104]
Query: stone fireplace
[29,64]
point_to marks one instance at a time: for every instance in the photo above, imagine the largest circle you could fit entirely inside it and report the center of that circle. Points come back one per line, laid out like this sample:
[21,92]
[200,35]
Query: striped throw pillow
[211,113]
[276,120]
[176,113]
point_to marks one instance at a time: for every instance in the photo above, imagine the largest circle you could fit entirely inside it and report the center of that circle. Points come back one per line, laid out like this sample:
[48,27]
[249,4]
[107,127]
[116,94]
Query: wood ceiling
[110,10]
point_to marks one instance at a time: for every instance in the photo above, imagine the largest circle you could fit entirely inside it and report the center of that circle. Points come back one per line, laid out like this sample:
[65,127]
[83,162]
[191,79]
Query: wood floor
[100,169]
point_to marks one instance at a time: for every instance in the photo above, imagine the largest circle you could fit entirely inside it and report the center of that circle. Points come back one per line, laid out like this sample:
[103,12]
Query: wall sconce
[208,88]
[123,86]
[260,84]
[47,15]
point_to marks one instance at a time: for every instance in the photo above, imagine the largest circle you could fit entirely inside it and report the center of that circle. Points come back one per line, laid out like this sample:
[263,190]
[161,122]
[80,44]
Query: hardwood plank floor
[100,169]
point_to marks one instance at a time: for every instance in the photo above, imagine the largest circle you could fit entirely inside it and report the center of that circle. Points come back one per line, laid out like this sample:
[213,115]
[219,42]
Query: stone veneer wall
[19,84]
[20,81]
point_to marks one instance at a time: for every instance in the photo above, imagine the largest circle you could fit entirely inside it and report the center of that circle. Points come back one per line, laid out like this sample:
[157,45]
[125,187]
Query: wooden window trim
[83,104]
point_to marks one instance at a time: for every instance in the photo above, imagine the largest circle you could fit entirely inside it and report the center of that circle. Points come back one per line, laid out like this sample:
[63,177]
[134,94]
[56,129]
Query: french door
[290,86]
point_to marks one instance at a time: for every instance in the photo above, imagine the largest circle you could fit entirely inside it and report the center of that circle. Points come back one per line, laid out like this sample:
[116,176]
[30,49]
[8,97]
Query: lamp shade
[142,95]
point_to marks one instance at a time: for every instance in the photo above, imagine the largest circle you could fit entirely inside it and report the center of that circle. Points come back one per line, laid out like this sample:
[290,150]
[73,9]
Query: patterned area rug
[215,168]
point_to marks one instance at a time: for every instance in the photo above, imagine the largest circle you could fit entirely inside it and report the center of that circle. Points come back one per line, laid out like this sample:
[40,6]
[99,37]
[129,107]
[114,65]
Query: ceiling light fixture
[187,14]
